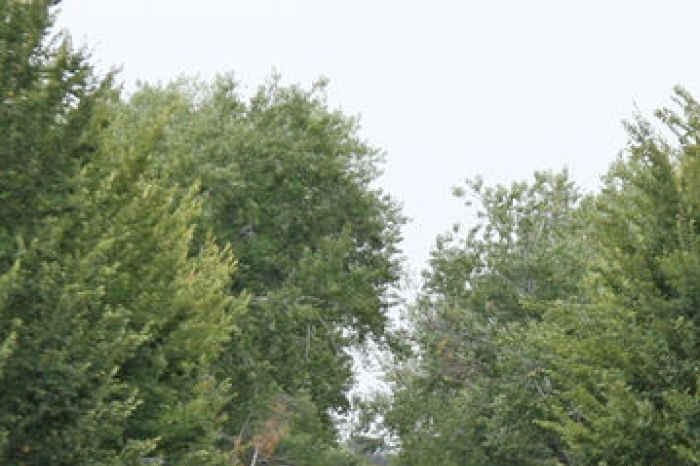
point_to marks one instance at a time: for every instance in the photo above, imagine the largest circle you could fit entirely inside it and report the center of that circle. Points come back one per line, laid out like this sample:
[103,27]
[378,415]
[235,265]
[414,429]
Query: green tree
[112,318]
[122,323]
[577,348]
[289,184]
[625,367]
[176,293]
[47,90]
[466,399]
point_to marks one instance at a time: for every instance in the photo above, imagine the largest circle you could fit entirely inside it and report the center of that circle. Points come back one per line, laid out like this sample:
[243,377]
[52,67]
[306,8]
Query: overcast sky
[450,89]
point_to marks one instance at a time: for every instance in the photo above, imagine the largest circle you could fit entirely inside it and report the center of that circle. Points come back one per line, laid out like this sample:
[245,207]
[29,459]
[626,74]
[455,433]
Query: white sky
[450,89]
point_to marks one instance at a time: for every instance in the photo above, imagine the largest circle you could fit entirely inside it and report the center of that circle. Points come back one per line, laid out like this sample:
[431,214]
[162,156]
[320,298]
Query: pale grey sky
[450,89]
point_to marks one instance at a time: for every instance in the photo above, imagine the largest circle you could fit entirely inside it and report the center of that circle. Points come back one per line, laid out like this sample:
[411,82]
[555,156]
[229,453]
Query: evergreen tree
[112,319]
[625,367]
[47,90]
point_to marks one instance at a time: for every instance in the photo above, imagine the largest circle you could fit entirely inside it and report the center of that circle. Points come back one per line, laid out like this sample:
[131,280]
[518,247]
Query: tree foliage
[112,319]
[184,271]
[123,338]
[627,376]
[288,184]
[567,333]
[458,402]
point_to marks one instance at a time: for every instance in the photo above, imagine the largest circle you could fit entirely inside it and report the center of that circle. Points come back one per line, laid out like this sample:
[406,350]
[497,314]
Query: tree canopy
[185,271]
[562,329]
[182,271]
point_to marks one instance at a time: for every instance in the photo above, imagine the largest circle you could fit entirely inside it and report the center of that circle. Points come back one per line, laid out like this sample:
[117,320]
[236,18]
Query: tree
[577,348]
[112,318]
[625,366]
[287,183]
[466,399]
[47,91]
[122,318]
